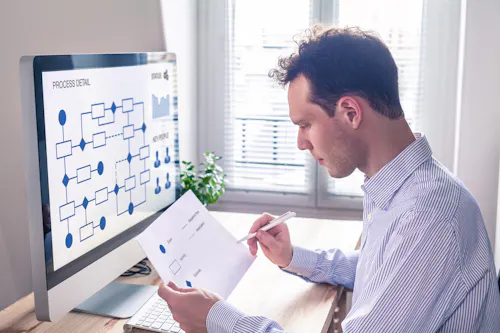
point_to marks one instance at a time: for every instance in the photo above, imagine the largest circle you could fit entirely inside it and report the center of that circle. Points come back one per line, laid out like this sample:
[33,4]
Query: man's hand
[275,243]
[189,306]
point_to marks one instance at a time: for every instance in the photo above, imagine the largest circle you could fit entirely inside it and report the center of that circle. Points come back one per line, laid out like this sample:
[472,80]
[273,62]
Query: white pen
[272,224]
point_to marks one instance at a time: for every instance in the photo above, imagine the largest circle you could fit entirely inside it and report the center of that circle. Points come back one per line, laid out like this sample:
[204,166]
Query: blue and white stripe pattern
[425,263]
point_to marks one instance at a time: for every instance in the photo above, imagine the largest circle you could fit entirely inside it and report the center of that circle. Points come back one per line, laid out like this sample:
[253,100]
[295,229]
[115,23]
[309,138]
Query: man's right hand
[275,243]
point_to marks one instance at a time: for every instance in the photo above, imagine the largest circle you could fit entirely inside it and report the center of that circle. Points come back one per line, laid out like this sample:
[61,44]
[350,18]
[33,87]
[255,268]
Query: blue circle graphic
[69,240]
[62,117]
[162,249]
[131,208]
[100,168]
[102,223]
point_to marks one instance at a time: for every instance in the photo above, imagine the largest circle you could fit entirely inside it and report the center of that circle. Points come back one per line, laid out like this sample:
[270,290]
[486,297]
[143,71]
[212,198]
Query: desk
[265,290]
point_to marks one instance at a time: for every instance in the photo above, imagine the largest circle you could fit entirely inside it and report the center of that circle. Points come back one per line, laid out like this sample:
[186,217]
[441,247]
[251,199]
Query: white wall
[52,27]
[476,159]
[440,54]
[180,22]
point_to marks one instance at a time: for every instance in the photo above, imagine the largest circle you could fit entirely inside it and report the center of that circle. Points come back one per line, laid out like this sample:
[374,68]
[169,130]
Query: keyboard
[154,316]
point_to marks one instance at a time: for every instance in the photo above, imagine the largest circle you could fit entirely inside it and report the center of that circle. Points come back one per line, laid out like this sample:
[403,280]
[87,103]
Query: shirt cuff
[222,317]
[303,262]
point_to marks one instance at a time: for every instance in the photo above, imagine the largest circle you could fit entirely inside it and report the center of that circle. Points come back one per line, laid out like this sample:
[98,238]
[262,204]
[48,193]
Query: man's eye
[304,126]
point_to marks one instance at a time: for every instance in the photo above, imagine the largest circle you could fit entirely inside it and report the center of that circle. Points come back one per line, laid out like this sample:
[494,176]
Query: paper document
[188,246]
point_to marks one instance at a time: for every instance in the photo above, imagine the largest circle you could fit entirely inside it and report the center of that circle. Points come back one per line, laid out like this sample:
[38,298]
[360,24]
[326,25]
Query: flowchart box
[128,131]
[86,231]
[129,183]
[175,267]
[99,139]
[97,110]
[144,152]
[64,149]
[109,118]
[144,177]
[101,196]
[128,105]
[83,174]
[139,107]
[66,211]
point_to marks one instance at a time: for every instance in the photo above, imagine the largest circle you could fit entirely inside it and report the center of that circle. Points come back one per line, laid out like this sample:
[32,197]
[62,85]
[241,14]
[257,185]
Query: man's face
[330,140]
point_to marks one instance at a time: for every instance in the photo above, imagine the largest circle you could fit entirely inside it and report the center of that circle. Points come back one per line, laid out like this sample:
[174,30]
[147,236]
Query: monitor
[102,162]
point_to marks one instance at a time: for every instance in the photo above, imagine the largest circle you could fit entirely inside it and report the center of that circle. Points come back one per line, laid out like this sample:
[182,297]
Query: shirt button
[369,217]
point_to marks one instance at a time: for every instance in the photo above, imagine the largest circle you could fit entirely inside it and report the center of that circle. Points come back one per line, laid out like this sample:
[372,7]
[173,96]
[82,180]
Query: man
[425,263]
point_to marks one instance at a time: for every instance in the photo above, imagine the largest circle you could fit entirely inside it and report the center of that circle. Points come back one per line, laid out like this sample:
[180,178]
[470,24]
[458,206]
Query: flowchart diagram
[105,117]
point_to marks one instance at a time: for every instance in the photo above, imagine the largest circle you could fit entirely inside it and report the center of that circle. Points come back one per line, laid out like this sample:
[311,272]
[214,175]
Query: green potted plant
[208,183]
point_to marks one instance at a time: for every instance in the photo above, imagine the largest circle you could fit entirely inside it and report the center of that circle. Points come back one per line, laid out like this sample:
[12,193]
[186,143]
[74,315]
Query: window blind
[260,150]
[399,24]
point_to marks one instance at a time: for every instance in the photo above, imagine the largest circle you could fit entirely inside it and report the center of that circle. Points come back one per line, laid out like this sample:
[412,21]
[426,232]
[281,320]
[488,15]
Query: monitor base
[117,300]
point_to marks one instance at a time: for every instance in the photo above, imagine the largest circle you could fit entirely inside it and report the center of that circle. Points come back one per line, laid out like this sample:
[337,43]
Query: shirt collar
[384,184]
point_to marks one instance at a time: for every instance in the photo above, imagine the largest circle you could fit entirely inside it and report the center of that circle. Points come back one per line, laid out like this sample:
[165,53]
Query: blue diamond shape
[143,127]
[113,107]
[188,284]
[65,180]
[85,203]
[116,189]
[82,144]
[129,157]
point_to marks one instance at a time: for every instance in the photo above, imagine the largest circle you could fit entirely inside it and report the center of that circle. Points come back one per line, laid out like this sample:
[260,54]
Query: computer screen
[108,152]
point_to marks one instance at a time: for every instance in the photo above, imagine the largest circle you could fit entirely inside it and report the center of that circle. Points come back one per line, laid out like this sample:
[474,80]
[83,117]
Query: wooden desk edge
[329,322]
[341,303]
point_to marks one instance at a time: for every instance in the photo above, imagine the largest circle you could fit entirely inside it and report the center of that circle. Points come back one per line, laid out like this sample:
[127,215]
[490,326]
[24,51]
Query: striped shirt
[425,263]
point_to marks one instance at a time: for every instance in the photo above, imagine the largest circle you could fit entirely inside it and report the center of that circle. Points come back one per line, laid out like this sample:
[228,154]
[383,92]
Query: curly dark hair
[344,61]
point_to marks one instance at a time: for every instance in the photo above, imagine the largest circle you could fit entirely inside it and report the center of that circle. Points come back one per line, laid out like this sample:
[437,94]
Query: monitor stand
[117,300]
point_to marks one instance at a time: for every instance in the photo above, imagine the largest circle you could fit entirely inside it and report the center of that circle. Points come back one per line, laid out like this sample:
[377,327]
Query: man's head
[342,82]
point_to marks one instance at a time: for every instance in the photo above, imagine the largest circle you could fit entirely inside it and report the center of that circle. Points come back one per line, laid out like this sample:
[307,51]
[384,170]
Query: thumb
[267,240]
[167,293]
[175,287]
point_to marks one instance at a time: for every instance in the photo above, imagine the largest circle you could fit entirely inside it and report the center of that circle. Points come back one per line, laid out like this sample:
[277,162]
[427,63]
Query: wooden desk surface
[296,305]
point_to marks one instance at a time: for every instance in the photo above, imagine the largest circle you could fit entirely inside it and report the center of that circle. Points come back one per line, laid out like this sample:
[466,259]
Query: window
[400,28]
[246,114]
[260,147]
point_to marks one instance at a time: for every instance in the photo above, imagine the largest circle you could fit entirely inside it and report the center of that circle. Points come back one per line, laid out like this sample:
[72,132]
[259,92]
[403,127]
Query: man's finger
[253,248]
[260,222]
[175,287]
[252,242]
[267,240]
[266,250]
[172,285]
[168,294]
[277,229]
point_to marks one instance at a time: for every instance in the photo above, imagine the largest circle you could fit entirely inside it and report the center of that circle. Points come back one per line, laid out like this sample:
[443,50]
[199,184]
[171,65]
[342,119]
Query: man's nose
[303,144]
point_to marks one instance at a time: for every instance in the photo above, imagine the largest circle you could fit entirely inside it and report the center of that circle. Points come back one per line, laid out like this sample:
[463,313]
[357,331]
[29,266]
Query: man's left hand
[189,306]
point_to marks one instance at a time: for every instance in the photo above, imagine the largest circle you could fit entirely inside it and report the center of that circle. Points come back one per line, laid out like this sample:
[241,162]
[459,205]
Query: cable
[141,268]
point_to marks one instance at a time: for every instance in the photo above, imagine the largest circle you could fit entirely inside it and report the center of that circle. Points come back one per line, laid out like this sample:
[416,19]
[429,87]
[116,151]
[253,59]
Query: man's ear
[350,110]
